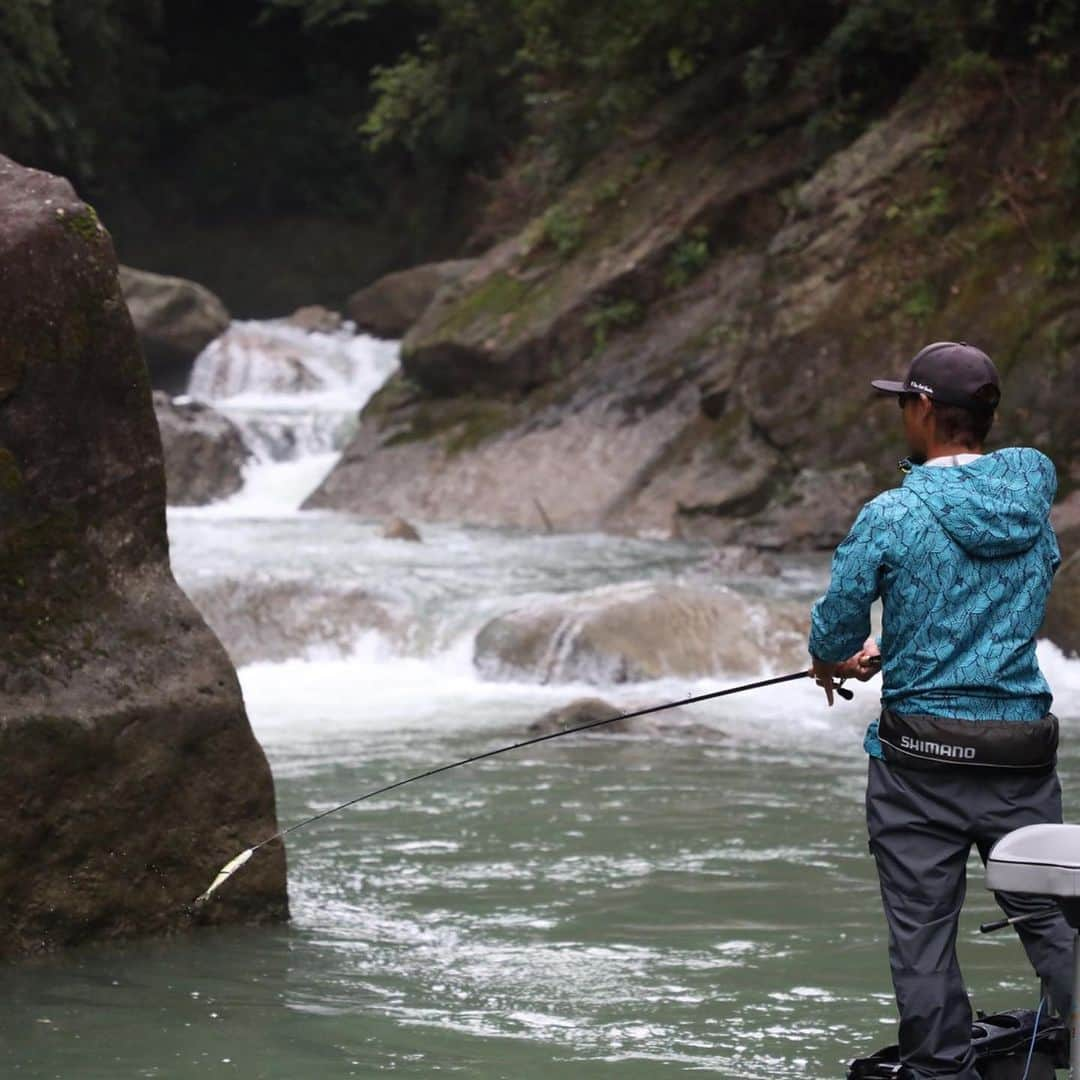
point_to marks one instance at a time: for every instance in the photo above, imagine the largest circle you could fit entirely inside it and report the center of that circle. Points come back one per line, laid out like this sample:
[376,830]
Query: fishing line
[234,864]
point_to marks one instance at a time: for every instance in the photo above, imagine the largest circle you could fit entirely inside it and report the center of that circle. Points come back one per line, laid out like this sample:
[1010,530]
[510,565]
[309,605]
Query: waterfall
[295,396]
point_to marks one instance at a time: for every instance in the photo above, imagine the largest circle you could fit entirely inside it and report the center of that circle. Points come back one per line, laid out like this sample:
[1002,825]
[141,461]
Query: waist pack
[935,742]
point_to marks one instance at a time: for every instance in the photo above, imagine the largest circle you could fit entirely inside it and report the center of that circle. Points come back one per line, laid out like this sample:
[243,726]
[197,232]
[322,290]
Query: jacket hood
[997,506]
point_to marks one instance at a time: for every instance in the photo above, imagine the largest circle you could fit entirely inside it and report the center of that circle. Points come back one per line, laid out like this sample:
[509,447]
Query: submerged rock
[276,620]
[204,452]
[636,632]
[390,306]
[399,529]
[591,710]
[251,357]
[129,770]
[316,319]
[739,561]
[581,711]
[175,320]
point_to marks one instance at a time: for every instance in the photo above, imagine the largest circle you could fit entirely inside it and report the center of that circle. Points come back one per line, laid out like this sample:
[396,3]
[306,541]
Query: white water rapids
[317,603]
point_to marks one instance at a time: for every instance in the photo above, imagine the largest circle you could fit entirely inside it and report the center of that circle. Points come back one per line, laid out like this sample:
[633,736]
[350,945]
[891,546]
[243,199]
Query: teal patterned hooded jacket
[962,557]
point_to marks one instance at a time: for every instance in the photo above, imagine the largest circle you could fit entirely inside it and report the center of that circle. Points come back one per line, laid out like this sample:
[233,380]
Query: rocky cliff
[129,770]
[683,342]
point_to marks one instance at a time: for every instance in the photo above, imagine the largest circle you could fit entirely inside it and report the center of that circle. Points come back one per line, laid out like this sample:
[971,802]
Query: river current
[698,900]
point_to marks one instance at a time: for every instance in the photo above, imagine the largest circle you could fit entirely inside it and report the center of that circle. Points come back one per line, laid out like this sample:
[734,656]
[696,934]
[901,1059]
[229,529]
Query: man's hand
[864,665]
[825,675]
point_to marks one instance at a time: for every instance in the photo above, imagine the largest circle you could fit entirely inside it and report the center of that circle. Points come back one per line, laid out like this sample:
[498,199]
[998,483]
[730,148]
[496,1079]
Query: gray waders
[922,825]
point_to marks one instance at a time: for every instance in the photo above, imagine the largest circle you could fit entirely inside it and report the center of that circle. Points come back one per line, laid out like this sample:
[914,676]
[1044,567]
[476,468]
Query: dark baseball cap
[952,372]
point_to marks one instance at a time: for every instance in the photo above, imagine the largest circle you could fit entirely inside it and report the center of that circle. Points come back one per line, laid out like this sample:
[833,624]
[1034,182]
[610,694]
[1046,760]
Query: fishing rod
[234,864]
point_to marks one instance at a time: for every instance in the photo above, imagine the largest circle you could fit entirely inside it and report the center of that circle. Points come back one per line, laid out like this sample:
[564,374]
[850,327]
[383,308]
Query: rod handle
[1000,924]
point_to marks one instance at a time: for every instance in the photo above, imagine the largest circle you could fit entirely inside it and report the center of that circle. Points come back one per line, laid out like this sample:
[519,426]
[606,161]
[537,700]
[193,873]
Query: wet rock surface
[693,353]
[276,620]
[399,529]
[129,769]
[392,305]
[637,632]
[314,318]
[226,367]
[1062,625]
[175,320]
[593,710]
[204,452]
[581,711]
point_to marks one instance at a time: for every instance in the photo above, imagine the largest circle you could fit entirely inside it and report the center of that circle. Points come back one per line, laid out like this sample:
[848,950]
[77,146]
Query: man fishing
[962,556]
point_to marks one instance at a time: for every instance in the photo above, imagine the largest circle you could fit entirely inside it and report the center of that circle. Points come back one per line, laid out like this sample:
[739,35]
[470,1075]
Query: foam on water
[376,689]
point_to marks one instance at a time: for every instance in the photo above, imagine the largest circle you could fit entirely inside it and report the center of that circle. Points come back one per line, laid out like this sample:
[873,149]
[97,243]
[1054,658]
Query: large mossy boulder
[392,305]
[175,320]
[128,767]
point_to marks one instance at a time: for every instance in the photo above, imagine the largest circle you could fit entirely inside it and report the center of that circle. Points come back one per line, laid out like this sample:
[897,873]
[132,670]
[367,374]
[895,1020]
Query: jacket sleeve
[840,620]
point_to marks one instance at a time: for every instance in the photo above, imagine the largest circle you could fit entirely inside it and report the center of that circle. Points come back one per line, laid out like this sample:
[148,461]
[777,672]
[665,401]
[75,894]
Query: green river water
[603,906]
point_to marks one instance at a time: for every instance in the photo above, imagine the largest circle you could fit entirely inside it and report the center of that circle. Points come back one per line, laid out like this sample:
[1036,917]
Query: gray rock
[276,620]
[815,510]
[581,711]
[739,561]
[392,305]
[636,632]
[590,710]
[250,357]
[1062,625]
[204,452]
[399,529]
[129,770]
[175,320]
[1065,517]
[316,319]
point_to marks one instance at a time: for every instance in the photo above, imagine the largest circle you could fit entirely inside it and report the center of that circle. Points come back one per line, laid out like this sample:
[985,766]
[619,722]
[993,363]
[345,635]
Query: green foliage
[318,13]
[610,316]
[1059,263]
[921,301]
[410,98]
[66,69]
[1070,177]
[690,257]
[564,230]
[331,104]
[930,216]
[31,62]
[759,72]
[972,68]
